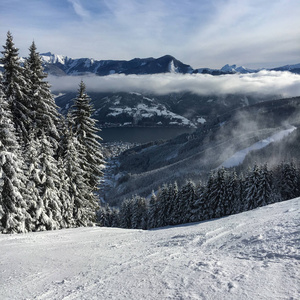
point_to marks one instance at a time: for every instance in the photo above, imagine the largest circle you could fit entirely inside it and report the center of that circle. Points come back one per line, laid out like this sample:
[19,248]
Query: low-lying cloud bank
[285,84]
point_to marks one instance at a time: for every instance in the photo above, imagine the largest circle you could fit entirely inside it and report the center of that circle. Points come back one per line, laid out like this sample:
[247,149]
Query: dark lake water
[141,134]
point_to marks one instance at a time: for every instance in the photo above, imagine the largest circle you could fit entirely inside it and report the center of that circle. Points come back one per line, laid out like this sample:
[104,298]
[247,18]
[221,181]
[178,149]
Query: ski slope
[253,255]
[239,156]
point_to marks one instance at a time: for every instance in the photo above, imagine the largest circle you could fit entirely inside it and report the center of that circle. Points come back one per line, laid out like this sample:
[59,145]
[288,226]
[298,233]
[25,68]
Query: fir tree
[33,176]
[265,195]
[163,206]
[91,163]
[232,200]
[288,181]
[86,132]
[49,207]
[174,215]
[15,88]
[67,202]
[115,217]
[187,196]
[219,194]
[44,112]
[241,185]
[208,195]
[13,203]
[81,197]
[126,214]
[251,188]
[153,211]
[199,208]
[139,213]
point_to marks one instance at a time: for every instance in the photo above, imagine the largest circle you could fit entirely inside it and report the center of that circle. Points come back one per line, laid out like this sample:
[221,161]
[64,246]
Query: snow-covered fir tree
[164,203]
[65,196]
[15,88]
[87,134]
[44,112]
[153,211]
[208,194]
[126,214]
[232,195]
[139,213]
[199,208]
[187,196]
[115,217]
[14,216]
[80,193]
[33,177]
[174,212]
[104,216]
[265,191]
[250,196]
[219,195]
[49,207]
[287,181]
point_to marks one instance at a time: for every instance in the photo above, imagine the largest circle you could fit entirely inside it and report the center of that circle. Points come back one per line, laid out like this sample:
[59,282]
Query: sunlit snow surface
[253,255]
[239,156]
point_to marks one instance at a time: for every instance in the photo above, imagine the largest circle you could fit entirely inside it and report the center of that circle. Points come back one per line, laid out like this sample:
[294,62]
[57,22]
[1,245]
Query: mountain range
[62,65]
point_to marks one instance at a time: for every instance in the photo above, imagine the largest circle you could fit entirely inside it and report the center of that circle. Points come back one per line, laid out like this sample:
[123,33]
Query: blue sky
[202,33]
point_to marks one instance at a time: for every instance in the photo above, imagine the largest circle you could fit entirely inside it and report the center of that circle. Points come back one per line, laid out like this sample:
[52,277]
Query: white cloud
[79,9]
[284,84]
[206,33]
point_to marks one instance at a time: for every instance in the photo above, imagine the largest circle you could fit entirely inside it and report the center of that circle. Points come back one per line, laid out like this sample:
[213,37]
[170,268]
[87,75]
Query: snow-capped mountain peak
[228,68]
[53,58]
[234,69]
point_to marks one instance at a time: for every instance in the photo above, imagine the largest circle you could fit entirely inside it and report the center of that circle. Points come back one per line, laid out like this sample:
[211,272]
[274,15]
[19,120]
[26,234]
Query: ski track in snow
[253,255]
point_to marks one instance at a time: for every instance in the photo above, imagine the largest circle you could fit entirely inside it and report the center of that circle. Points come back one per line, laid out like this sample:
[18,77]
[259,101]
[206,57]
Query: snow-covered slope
[239,156]
[292,68]
[253,255]
[129,109]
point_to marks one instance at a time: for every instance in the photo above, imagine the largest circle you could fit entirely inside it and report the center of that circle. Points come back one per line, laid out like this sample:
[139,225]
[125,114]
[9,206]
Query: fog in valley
[285,84]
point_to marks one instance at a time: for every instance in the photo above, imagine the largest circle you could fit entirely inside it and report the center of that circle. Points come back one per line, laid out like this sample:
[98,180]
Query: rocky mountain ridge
[62,65]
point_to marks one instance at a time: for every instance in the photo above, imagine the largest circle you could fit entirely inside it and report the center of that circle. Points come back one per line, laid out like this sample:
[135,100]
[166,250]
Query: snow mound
[252,255]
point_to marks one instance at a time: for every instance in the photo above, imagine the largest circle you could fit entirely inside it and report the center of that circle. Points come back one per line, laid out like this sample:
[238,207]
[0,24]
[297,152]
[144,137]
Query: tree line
[224,193]
[50,165]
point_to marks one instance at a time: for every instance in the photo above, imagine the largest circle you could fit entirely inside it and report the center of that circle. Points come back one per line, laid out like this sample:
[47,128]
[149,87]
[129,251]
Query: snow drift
[252,255]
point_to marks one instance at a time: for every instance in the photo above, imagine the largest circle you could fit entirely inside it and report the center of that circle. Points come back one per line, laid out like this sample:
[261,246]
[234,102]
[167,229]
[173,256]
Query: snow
[53,58]
[239,156]
[172,68]
[88,63]
[253,255]
[235,69]
[228,68]
[146,111]
[201,120]
[59,95]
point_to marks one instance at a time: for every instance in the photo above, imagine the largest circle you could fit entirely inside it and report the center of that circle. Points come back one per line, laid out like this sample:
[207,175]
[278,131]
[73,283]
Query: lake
[141,134]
